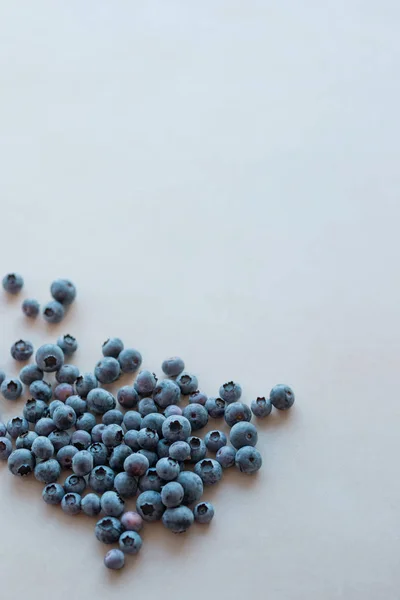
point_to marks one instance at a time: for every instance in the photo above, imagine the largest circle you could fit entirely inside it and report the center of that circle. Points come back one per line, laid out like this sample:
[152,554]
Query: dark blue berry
[13,283]
[153,421]
[176,429]
[149,505]
[226,456]
[112,347]
[100,401]
[26,440]
[236,412]
[30,308]
[214,440]
[30,373]
[81,439]
[113,435]
[17,426]
[5,448]
[86,421]
[47,471]
[125,485]
[230,392]
[82,463]
[203,512]
[118,456]
[49,358]
[101,479]
[75,484]
[197,416]
[45,426]
[99,452]
[129,360]
[65,456]
[150,481]
[187,382]
[112,504]
[42,448]
[167,469]
[53,312]
[209,470]
[53,493]
[22,350]
[282,397]
[173,367]
[68,344]
[114,559]
[71,503]
[147,439]
[108,530]
[136,465]
[261,407]
[248,460]
[145,383]
[107,370]
[11,388]
[130,542]
[127,396]
[178,520]
[243,434]
[90,505]
[198,398]
[85,383]
[67,374]
[180,451]
[197,449]
[63,290]
[166,392]
[172,494]
[215,407]
[192,486]
[21,462]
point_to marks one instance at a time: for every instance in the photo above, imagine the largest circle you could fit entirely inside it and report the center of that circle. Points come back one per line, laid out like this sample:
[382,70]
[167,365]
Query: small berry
[112,347]
[97,432]
[125,485]
[226,456]
[167,469]
[67,374]
[22,350]
[41,390]
[107,370]
[99,452]
[30,308]
[129,360]
[30,373]
[45,426]
[209,470]
[198,448]
[113,417]
[153,421]
[166,392]
[150,481]
[81,439]
[108,530]
[147,406]
[21,462]
[100,401]
[214,440]
[64,417]
[59,439]
[63,391]
[282,397]
[17,426]
[68,344]
[86,422]
[35,410]
[230,392]
[192,485]
[136,465]
[82,463]
[243,434]
[151,456]
[178,520]
[90,505]
[13,283]
[179,451]
[113,435]
[203,512]
[261,407]
[172,410]
[53,493]
[248,460]
[173,367]
[49,358]
[5,448]
[71,503]
[172,494]
[132,521]
[131,439]
[187,382]
[145,383]
[75,484]
[130,542]
[26,440]
[149,506]
[101,479]
[147,439]
[63,290]
[197,416]
[85,383]
[215,407]
[11,389]
[42,448]
[236,412]
[176,429]
[47,471]
[127,396]
[65,456]
[114,559]
[198,398]
[53,312]
[75,402]
[163,447]
[112,504]
[118,456]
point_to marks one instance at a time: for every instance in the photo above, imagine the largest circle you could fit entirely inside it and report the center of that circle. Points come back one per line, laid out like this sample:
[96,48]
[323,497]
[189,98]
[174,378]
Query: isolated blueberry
[5,448]
[261,407]
[197,416]
[127,396]
[68,344]
[166,392]
[53,493]
[226,456]
[30,308]
[100,401]
[22,350]
[132,521]
[282,397]
[30,373]
[112,504]
[172,410]
[147,406]
[150,481]
[47,471]
[82,463]
[97,432]
[85,383]
[192,486]
[248,460]
[101,479]
[53,312]
[129,360]
[118,456]
[62,391]
[145,383]
[90,505]
[198,398]
[243,434]
[125,485]
[131,439]
[180,451]
[175,429]
[149,505]
[2,376]
[86,422]
[214,440]
[49,358]
[71,503]
[163,447]
[172,494]
[13,283]
[77,403]
[67,374]
[236,412]
[65,456]
[198,448]
[107,370]
[108,530]
[215,407]
[147,439]
[130,542]
[64,417]
[26,440]
[63,290]
[209,470]
[11,388]
[136,465]
[45,426]
[112,347]
[153,421]
[230,392]
[203,512]
[41,390]
[167,469]
[17,426]
[187,382]
[114,559]
[81,439]
[75,484]
[21,462]
[151,456]
[173,367]
[178,519]
[113,435]
[113,416]
[42,448]
[99,452]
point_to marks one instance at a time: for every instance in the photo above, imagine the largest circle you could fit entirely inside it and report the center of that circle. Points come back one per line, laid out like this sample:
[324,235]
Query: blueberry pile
[147,448]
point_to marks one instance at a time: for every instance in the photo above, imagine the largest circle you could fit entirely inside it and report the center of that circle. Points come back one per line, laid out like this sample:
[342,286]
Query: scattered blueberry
[82,463]
[113,347]
[173,367]
[153,421]
[178,519]
[30,308]
[41,390]
[198,448]
[129,360]
[71,503]
[86,422]
[35,410]
[236,412]
[53,312]
[203,512]
[64,417]
[198,398]
[125,485]
[114,559]
[131,439]
[130,542]
[136,465]
[67,374]
[75,484]
[187,382]
[149,505]
[90,505]
[81,439]
[243,434]
[147,406]
[132,521]
[5,448]
[209,470]
[176,429]
[113,417]
[282,397]
[172,494]
[97,432]
[166,392]
[68,344]
[150,481]
[215,407]
[192,485]
[147,439]
[214,440]
[118,456]
[151,456]
[197,416]
[180,451]
[113,435]
[127,396]
[112,504]
[21,462]
[76,403]
[248,459]
[172,410]
[230,392]
[107,370]
[17,426]
[49,358]
[226,456]
[85,383]
[47,471]
[45,426]
[65,456]
[261,407]
[30,373]
[22,350]
[11,389]
[99,452]
[63,391]
[26,440]
[100,401]
[13,283]
[63,290]
[101,479]
[167,469]
[108,530]
[42,448]
[53,493]
[145,383]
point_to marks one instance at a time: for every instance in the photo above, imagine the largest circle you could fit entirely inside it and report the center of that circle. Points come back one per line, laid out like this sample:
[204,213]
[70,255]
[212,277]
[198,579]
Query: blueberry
[41,390]
[45,426]
[214,440]
[178,519]
[136,465]
[203,512]
[99,452]
[86,422]
[107,370]
[179,451]
[198,398]
[82,463]
[243,434]
[131,439]
[53,405]
[132,521]
[172,494]
[42,448]
[22,350]
[118,456]
[2,376]
[226,456]
[64,417]
[215,407]
[147,406]
[85,383]
[125,485]
[17,426]
[49,358]
[35,410]
[67,374]
[282,397]
[90,505]
[114,559]
[76,403]
[53,312]
[63,391]
[112,347]
[53,493]
[30,373]
[147,439]
[198,448]
[129,360]
[30,308]
[261,407]
[145,383]
[112,504]
[108,530]
[167,469]
[71,503]
[192,486]
[101,479]
[209,470]
[163,447]
[100,401]
[187,382]
[173,367]
[47,471]
[127,396]
[197,416]
[172,410]
[68,344]
[248,459]
[75,484]
[150,481]
[63,290]
[113,435]
[5,448]
[230,392]
[153,421]
[236,412]
[11,389]
[149,505]
[151,456]
[97,432]
[21,462]
[13,283]
[81,439]
[175,429]
[65,456]
[130,542]
[166,392]
[3,429]
[26,440]
[113,417]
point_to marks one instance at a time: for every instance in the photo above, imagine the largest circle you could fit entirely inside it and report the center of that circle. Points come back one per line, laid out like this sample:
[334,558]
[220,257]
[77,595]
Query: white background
[221,180]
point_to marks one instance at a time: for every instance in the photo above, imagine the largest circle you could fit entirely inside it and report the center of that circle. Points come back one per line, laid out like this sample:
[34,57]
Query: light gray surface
[221,180]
